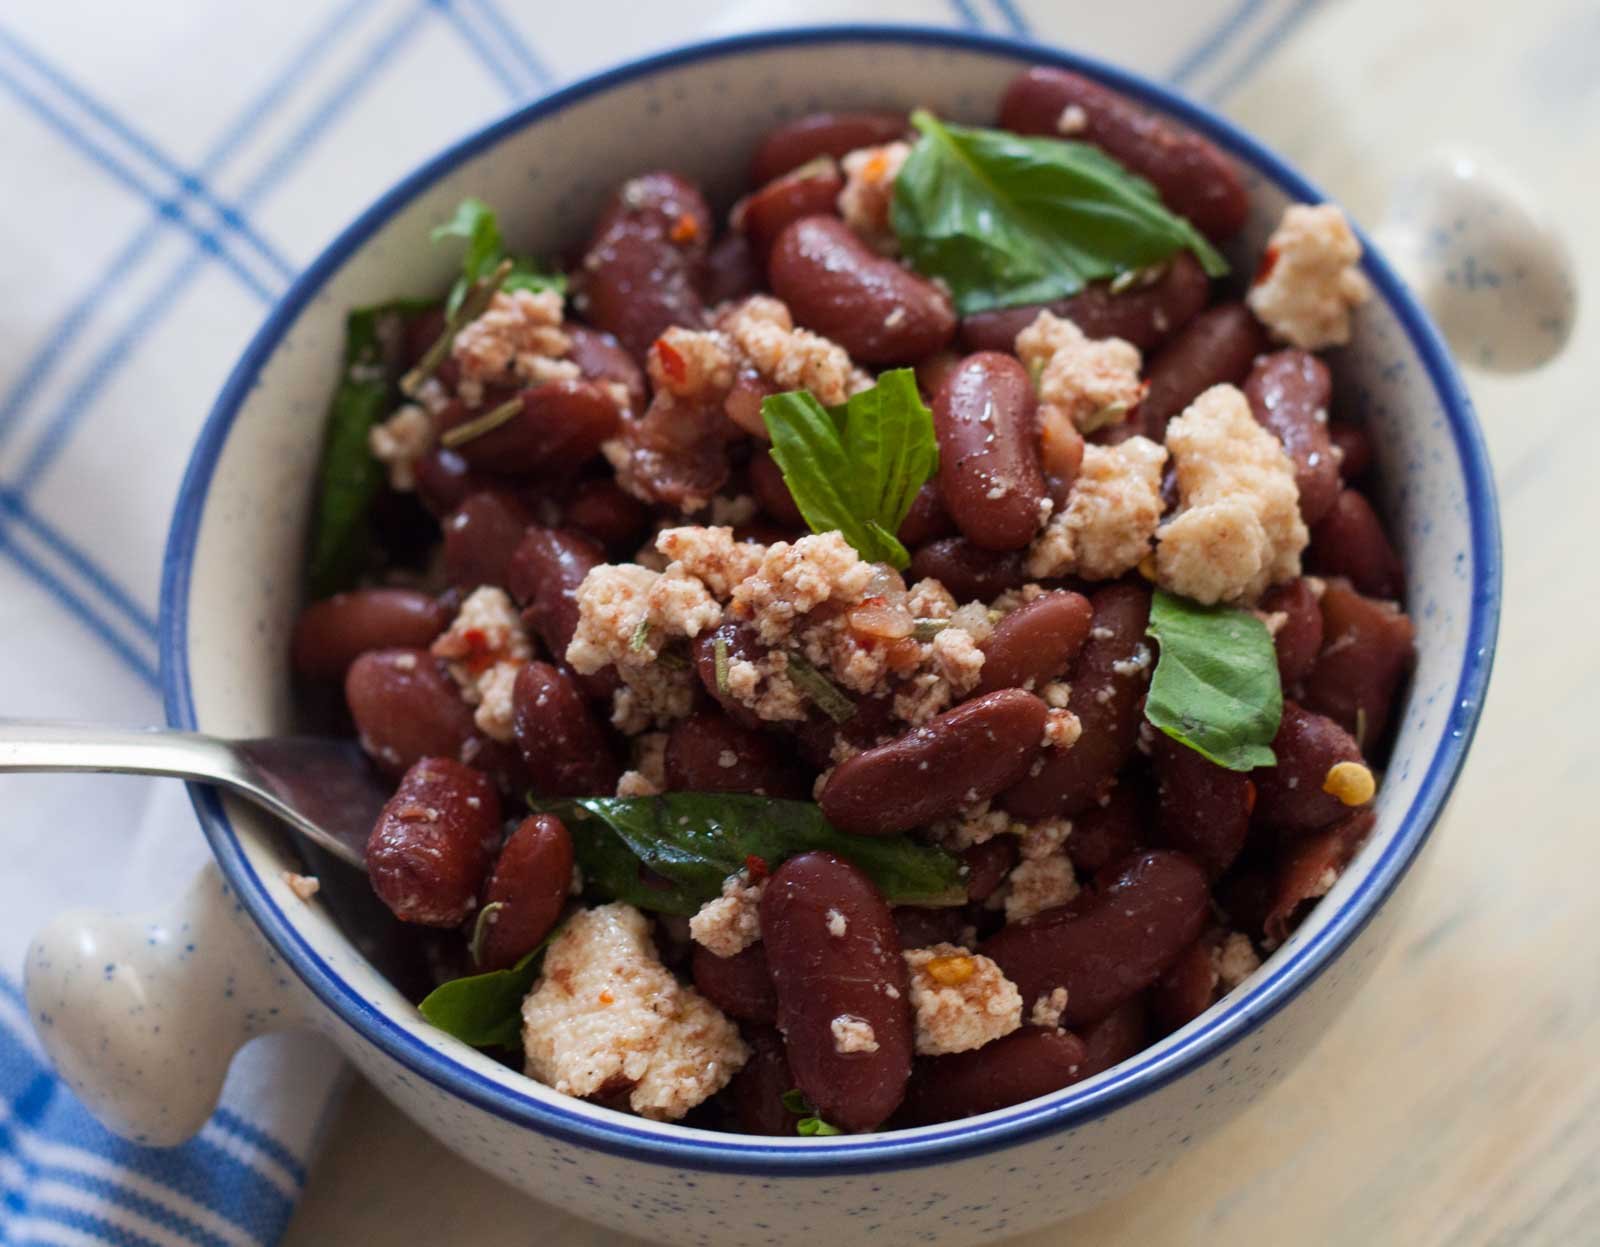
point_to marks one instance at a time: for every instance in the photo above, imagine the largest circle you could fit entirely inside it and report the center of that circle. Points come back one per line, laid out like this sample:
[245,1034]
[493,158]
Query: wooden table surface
[1458,1101]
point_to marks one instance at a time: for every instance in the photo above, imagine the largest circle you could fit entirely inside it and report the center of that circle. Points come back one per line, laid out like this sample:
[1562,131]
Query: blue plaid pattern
[63,1178]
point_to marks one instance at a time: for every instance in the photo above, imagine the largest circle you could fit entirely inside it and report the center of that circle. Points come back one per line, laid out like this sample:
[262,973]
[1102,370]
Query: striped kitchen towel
[170,167]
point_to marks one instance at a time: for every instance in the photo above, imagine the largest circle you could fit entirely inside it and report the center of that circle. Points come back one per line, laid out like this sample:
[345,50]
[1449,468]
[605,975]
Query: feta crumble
[852,1034]
[1112,512]
[484,647]
[960,1000]
[731,923]
[1310,279]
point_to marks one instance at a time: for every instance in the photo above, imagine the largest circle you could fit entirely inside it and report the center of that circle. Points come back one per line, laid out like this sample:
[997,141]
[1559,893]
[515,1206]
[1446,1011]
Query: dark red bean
[1349,541]
[709,752]
[988,864]
[758,1088]
[333,633]
[1203,809]
[678,451]
[821,134]
[741,985]
[543,575]
[1215,348]
[444,481]
[645,261]
[429,849]
[1147,316]
[406,708]
[1107,704]
[739,643]
[772,491]
[600,357]
[567,750]
[1036,643]
[1187,990]
[1367,649]
[1299,638]
[1289,393]
[1116,1037]
[1354,445]
[732,271]
[961,757]
[989,477]
[1289,796]
[1130,934]
[927,520]
[480,537]
[1193,178]
[1108,831]
[1302,874]
[1013,1069]
[872,724]
[836,285]
[558,429]
[599,509]
[969,573]
[922,927]
[422,330]
[821,977]
[530,883]
[811,190]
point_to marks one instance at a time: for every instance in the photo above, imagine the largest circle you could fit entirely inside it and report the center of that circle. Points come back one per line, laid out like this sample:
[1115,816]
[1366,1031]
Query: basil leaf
[1004,219]
[475,222]
[857,467]
[1216,687]
[691,841]
[485,1010]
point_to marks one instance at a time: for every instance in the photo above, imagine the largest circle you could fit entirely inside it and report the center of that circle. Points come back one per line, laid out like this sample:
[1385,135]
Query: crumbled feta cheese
[696,364]
[518,338]
[960,1000]
[1047,1010]
[399,442]
[929,599]
[852,1034]
[303,886]
[795,578]
[1112,512]
[732,512]
[711,555]
[731,923]
[1062,728]
[1073,120]
[635,784]
[1235,960]
[1238,528]
[621,603]
[607,1018]
[484,647]
[1039,883]
[1044,837]
[869,176]
[973,825]
[1083,381]
[837,924]
[763,332]
[1310,279]
[1056,694]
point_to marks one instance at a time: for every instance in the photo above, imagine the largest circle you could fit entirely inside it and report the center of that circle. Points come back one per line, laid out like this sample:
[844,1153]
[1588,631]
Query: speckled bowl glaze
[232,590]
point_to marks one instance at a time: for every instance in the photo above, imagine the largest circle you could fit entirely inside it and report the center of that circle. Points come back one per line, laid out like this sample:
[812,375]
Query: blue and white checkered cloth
[171,166]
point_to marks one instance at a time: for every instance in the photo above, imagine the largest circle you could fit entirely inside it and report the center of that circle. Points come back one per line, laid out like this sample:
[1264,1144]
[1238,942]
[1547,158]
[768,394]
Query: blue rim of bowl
[1139,1076]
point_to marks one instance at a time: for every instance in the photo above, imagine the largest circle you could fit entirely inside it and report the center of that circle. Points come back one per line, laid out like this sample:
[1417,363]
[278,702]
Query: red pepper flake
[685,229]
[757,868]
[1269,261]
[672,363]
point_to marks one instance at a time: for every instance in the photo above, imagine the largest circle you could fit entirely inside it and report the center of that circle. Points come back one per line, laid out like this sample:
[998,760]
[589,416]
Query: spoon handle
[50,746]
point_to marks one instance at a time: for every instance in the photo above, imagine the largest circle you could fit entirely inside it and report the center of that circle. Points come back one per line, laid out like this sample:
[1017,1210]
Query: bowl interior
[234,565]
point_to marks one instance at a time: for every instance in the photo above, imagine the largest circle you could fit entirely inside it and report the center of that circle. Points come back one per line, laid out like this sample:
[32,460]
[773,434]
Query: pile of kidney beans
[1172,851]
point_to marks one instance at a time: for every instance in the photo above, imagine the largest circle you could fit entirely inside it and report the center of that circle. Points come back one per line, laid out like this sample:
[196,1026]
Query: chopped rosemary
[641,635]
[719,652]
[479,425]
[927,629]
[672,660]
[480,929]
[820,689]
[473,306]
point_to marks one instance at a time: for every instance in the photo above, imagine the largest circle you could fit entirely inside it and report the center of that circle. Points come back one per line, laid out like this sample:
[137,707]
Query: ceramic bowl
[232,590]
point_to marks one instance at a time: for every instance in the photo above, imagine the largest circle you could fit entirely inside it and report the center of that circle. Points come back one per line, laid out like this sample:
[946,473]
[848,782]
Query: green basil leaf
[1005,219]
[692,841]
[475,222]
[1216,687]
[809,1126]
[485,1010]
[857,467]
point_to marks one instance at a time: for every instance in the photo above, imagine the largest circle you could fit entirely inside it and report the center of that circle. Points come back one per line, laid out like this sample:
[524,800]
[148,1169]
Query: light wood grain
[1458,1101]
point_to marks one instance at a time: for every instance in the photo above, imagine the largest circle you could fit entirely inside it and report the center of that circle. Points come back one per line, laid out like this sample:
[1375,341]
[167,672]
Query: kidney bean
[444,481]
[429,850]
[333,633]
[422,330]
[989,477]
[480,537]
[1036,643]
[988,864]
[821,134]
[969,573]
[559,428]
[709,752]
[1368,649]
[1289,393]
[1193,178]
[927,520]
[645,261]
[405,708]
[1354,445]
[530,882]
[758,1088]
[1299,638]
[821,977]
[741,645]
[567,751]
[872,724]
[741,985]
[1349,541]
[1145,315]
[599,509]
[1203,809]
[836,285]
[1015,1068]
[1105,702]
[1130,934]
[678,451]
[600,357]
[1116,1037]
[811,190]
[1108,831]
[543,576]
[732,271]
[933,370]
[1215,348]
[1303,873]
[1187,990]
[921,927]
[961,757]
[1290,800]
[772,491]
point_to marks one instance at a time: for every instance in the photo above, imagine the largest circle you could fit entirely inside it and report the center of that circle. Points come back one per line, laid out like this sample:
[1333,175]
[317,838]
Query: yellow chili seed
[1147,568]
[1351,782]
[951,971]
